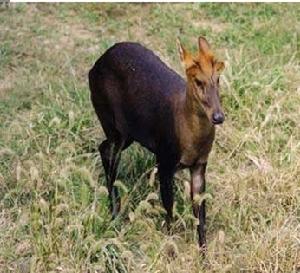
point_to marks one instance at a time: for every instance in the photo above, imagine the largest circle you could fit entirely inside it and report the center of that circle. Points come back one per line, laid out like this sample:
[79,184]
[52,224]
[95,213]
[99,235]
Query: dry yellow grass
[53,210]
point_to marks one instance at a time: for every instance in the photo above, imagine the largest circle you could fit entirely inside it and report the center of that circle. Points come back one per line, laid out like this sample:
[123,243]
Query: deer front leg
[197,188]
[166,191]
[166,171]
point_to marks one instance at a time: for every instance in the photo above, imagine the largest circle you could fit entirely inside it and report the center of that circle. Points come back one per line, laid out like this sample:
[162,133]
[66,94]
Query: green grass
[54,213]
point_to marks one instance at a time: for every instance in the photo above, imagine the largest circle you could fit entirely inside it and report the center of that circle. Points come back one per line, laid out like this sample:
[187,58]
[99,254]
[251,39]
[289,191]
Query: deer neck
[194,130]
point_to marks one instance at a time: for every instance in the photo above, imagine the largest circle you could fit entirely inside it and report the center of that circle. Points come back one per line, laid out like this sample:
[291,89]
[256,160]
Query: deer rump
[133,93]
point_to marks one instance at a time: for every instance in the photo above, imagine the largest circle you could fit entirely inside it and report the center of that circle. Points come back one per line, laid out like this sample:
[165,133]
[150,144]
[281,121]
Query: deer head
[203,73]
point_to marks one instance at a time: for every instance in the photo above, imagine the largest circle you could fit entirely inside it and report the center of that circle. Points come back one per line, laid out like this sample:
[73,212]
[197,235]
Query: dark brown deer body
[138,98]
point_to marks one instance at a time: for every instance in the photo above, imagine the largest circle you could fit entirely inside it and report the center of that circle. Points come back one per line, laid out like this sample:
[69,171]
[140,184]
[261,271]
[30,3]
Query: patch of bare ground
[70,34]
[214,25]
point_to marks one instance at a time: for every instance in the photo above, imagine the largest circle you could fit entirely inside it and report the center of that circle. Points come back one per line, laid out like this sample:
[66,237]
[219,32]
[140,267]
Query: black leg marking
[166,171]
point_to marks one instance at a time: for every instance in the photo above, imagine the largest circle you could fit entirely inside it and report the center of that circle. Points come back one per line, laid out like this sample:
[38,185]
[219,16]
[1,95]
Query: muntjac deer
[138,98]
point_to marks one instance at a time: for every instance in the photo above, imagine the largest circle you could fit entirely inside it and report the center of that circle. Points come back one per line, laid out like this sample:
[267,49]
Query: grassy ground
[53,209]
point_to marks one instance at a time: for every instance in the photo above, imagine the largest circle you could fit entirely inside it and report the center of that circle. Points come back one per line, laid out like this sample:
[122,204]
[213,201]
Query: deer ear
[204,46]
[219,67]
[180,49]
[185,57]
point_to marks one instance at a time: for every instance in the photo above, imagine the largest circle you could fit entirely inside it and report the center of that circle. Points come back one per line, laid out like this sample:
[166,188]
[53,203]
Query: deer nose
[218,118]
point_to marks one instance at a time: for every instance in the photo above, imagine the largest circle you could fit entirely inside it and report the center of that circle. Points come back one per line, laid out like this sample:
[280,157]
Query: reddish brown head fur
[203,72]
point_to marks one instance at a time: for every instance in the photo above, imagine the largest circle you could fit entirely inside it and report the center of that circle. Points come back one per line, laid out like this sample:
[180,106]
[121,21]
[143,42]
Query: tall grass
[53,201]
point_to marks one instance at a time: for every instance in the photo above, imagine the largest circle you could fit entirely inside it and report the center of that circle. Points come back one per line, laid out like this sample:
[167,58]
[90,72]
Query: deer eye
[199,84]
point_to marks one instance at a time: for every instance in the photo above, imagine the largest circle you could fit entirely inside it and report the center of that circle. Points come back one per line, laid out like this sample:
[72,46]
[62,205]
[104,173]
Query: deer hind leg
[110,151]
[199,210]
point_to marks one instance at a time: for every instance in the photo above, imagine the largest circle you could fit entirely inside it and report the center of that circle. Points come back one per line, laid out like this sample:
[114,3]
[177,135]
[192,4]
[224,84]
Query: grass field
[53,208]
